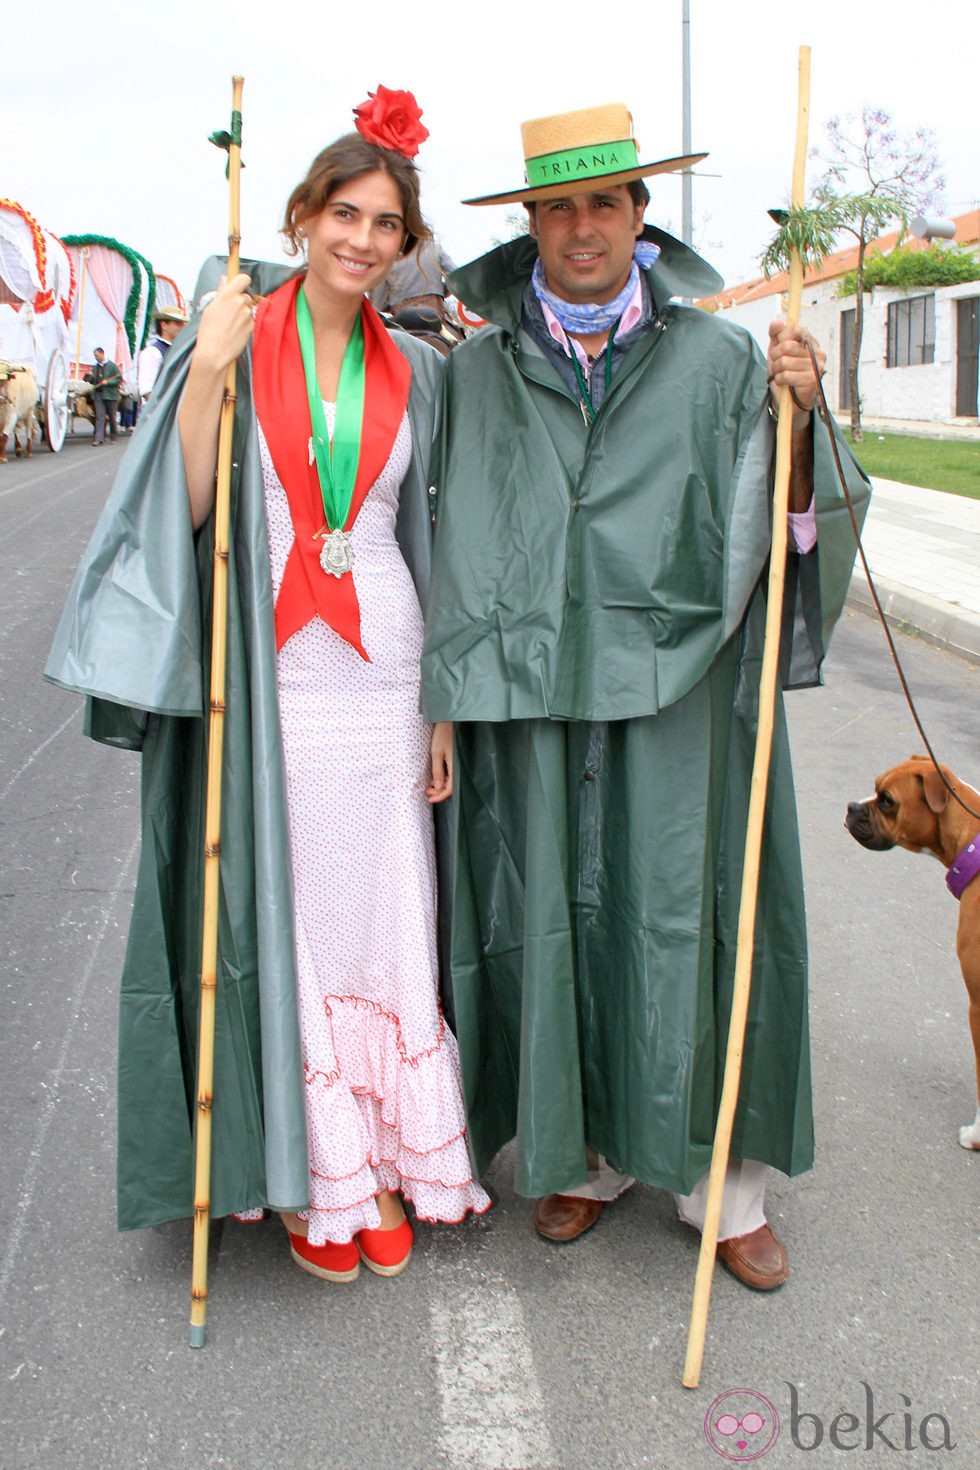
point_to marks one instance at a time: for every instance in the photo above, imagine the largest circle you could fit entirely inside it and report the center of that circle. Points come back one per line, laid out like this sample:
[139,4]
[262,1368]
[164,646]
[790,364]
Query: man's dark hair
[638,192]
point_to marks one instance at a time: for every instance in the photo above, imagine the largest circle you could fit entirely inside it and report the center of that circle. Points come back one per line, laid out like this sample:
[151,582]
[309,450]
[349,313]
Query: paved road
[495,1350]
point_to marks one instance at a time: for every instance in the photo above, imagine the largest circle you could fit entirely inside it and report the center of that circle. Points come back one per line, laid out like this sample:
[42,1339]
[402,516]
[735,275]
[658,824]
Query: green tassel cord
[224,139]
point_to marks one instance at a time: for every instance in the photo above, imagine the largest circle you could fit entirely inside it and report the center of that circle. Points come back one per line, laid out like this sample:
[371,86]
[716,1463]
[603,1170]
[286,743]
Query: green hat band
[593,162]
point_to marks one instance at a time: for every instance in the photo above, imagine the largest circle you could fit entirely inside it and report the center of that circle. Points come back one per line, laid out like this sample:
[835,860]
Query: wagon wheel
[56,402]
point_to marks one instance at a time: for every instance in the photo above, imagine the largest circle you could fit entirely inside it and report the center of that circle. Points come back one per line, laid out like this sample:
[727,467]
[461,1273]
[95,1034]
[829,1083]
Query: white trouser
[742,1202]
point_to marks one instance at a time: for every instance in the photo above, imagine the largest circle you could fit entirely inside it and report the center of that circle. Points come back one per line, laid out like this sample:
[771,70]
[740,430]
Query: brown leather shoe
[758,1259]
[563,1217]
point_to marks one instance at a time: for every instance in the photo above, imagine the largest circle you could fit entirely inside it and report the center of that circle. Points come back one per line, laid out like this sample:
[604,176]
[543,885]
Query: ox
[18,402]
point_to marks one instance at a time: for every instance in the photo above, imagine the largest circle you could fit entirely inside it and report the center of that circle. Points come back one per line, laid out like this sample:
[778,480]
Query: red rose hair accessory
[392,120]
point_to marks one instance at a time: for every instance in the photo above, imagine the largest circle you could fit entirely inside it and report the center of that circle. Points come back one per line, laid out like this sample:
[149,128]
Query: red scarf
[283,410]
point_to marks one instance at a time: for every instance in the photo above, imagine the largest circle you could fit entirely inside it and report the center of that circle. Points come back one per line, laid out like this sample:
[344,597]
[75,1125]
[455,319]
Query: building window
[912,331]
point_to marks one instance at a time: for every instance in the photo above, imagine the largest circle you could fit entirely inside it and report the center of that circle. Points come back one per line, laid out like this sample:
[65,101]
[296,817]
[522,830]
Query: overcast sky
[114,106]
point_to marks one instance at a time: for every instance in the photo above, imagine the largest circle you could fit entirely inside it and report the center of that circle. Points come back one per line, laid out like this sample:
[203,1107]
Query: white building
[919,351]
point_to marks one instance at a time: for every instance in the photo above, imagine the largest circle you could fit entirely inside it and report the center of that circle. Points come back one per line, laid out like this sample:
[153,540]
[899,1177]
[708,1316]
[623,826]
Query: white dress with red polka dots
[384,1104]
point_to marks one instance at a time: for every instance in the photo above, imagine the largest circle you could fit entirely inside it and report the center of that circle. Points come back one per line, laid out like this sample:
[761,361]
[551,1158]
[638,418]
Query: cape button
[588,775]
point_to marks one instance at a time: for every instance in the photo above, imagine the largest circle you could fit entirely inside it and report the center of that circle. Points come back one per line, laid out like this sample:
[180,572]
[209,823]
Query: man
[106,378]
[169,320]
[595,628]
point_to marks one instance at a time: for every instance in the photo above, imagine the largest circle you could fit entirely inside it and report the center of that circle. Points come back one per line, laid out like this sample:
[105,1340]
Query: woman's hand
[441,784]
[225,326]
[222,335]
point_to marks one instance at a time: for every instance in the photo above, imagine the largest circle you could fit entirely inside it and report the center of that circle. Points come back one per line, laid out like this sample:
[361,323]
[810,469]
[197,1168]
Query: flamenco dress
[383,1093]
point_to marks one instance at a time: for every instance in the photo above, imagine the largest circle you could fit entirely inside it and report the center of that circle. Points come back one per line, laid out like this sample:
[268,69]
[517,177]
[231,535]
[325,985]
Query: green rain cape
[595,626]
[135,637]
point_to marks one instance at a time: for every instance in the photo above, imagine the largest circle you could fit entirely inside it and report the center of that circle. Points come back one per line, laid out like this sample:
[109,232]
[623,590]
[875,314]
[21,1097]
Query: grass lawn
[952,465]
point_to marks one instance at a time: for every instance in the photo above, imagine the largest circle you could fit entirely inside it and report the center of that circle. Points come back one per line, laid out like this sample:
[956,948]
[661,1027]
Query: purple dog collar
[963,869]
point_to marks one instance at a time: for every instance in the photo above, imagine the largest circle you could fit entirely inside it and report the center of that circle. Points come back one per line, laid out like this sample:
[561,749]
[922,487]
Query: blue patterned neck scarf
[582,319]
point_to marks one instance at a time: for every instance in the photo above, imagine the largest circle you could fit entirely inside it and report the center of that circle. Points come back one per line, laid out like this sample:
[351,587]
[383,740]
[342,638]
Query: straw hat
[577,152]
[170,314]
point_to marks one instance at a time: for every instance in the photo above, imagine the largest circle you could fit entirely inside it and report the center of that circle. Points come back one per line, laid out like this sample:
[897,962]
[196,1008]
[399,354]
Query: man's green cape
[595,627]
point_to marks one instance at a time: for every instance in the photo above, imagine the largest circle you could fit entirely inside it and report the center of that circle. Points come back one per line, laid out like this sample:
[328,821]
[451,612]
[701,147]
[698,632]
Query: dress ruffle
[397,1117]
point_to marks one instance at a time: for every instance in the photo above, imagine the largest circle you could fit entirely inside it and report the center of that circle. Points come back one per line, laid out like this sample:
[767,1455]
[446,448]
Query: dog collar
[963,869]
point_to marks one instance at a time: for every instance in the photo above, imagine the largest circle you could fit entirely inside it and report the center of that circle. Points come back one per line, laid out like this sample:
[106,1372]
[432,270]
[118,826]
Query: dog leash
[824,413]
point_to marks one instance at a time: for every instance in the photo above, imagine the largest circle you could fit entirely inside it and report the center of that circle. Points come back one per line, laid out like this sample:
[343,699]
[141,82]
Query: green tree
[904,270]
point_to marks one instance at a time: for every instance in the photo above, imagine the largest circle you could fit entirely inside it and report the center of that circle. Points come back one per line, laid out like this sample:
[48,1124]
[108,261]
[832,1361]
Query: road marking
[32,758]
[493,1414]
[28,1189]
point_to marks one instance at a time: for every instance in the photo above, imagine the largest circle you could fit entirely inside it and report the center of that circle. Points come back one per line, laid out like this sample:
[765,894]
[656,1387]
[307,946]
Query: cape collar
[283,410]
[963,869]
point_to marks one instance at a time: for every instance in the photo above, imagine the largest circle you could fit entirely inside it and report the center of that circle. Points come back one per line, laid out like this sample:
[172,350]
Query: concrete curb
[941,623]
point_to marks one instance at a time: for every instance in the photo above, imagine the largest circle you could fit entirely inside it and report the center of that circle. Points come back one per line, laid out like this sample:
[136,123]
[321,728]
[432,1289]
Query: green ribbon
[592,162]
[583,389]
[222,139]
[336,463]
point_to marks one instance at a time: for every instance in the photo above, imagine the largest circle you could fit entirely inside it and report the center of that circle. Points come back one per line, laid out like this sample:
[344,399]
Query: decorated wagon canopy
[36,287]
[169,294]
[113,301]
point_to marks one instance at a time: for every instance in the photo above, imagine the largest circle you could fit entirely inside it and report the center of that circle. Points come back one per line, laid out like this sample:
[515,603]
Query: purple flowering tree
[875,177]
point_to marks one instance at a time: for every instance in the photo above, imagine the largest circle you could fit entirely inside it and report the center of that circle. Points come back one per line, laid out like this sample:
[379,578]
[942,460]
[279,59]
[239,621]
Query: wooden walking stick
[216,730]
[757,796]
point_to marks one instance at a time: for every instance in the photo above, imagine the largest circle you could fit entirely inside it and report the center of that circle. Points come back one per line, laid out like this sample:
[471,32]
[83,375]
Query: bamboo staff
[212,833]
[757,796]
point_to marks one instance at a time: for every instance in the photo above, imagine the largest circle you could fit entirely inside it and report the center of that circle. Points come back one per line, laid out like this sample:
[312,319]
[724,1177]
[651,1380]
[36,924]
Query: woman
[341,424]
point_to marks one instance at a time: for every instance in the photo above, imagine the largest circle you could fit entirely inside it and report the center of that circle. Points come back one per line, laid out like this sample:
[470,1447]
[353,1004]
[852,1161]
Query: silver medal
[336,554]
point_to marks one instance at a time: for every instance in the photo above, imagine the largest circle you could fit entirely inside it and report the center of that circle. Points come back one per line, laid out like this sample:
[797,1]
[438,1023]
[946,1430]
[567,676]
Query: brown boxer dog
[911,808]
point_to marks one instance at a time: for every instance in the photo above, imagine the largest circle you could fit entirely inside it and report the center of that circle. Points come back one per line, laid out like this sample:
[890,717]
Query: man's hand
[789,362]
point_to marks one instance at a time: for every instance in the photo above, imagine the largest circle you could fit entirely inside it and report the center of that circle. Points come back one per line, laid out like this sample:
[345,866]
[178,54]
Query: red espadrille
[330,1261]
[386,1252]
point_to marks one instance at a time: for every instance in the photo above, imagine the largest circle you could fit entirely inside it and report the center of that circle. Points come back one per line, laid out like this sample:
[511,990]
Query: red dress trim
[361,1002]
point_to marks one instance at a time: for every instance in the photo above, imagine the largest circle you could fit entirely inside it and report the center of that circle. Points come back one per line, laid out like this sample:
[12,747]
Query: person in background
[416,280]
[169,320]
[106,378]
[127,407]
